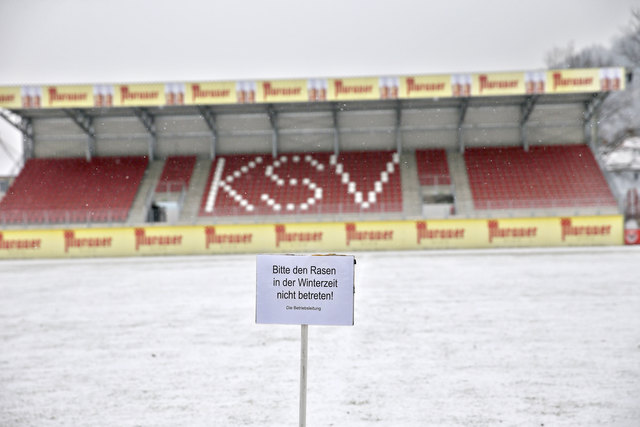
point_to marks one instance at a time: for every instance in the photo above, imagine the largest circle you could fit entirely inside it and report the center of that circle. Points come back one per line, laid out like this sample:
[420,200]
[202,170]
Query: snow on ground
[513,337]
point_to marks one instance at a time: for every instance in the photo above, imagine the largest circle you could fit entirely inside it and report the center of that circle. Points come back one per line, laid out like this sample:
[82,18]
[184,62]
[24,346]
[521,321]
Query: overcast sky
[110,41]
[92,41]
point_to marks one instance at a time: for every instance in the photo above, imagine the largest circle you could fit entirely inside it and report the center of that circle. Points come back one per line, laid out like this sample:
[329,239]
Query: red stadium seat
[303,183]
[543,177]
[432,167]
[176,173]
[73,189]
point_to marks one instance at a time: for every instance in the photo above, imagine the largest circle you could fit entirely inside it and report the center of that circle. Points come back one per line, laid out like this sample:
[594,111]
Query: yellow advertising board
[497,84]
[573,80]
[520,232]
[313,237]
[94,242]
[353,89]
[316,89]
[210,93]
[10,97]
[443,234]
[612,79]
[282,91]
[139,95]
[220,239]
[67,96]
[29,244]
[425,86]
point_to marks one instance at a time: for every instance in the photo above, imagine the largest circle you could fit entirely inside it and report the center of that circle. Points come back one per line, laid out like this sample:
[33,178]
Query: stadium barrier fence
[312,237]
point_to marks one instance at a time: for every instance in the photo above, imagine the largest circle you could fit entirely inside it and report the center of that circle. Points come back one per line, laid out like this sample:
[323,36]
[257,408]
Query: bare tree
[627,47]
[620,113]
[567,57]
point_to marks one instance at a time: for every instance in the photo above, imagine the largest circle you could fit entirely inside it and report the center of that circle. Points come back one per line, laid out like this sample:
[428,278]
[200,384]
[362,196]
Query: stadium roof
[393,112]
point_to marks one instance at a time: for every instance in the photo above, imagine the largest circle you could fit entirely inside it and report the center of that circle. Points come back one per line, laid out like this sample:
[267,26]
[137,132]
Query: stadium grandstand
[485,145]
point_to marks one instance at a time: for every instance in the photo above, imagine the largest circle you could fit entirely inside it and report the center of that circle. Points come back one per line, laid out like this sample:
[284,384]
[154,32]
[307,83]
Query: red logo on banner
[496,231]
[354,234]
[340,87]
[269,91]
[558,81]
[126,94]
[585,230]
[143,240]
[209,93]
[7,98]
[7,244]
[54,96]
[444,233]
[283,236]
[219,239]
[70,241]
[412,86]
[485,83]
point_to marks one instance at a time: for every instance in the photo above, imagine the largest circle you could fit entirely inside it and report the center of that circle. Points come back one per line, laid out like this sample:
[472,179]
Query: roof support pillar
[525,112]
[398,129]
[210,119]
[336,131]
[85,123]
[28,139]
[464,105]
[25,126]
[148,121]
[275,136]
[590,118]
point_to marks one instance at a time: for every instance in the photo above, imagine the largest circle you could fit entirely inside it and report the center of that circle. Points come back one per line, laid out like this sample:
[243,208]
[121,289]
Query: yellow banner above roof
[210,93]
[282,91]
[496,84]
[139,95]
[425,86]
[573,81]
[10,97]
[590,80]
[353,89]
[612,79]
[67,96]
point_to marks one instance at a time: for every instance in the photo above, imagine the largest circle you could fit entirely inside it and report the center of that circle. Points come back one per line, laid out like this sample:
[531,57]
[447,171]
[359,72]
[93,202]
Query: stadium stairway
[411,199]
[138,212]
[460,181]
[196,188]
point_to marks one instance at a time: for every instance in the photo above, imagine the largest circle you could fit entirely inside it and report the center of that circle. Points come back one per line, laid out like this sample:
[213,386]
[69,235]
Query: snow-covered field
[511,337]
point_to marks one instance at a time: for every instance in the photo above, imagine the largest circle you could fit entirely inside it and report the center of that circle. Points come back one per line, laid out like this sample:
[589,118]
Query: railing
[436,185]
[435,180]
[171,187]
[482,208]
[62,216]
[317,209]
[574,202]
[607,176]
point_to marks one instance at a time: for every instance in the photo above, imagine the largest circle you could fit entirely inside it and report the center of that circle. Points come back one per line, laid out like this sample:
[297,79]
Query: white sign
[304,289]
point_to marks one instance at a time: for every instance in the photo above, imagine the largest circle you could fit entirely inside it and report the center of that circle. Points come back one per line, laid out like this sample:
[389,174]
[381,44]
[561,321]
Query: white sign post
[304,290]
